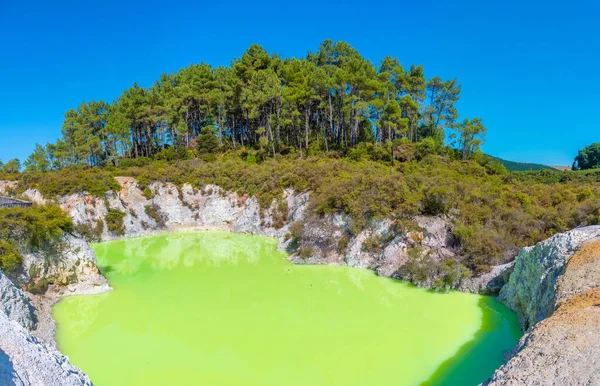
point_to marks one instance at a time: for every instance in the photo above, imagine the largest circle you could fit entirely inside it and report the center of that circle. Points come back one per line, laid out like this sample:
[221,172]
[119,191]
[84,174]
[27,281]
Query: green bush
[68,181]
[207,144]
[114,222]
[494,213]
[154,213]
[343,243]
[305,253]
[9,256]
[34,227]
[90,233]
[172,154]
[30,228]
[147,192]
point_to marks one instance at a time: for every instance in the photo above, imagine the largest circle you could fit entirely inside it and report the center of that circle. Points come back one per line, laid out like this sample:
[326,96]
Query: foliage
[494,212]
[172,154]
[114,222]
[147,192]
[470,135]
[69,181]
[331,100]
[11,167]
[88,232]
[512,166]
[207,144]
[422,269]
[305,253]
[588,157]
[29,228]
[10,257]
[154,213]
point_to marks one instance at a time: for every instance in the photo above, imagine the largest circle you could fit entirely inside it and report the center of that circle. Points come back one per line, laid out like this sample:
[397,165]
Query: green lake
[220,309]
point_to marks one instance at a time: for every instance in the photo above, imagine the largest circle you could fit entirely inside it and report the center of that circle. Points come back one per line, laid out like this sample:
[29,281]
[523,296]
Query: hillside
[513,166]
[490,214]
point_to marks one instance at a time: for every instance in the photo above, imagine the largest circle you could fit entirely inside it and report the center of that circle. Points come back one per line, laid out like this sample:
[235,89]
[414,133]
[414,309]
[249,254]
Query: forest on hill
[331,100]
[371,142]
[513,166]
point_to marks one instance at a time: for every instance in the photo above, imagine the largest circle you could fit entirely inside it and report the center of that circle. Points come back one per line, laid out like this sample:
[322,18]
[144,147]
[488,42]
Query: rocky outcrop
[15,304]
[323,240]
[489,283]
[28,356]
[531,291]
[384,246]
[70,266]
[27,361]
[555,289]
[179,209]
[24,359]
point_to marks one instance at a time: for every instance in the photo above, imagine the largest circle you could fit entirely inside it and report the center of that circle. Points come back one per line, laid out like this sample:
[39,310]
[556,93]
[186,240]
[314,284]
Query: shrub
[305,253]
[207,144]
[9,256]
[435,202]
[147,192]
[424,148]
[30,228]
[494,213]
[34,227]
[373,243]
[357,154]
[68,181]
[153,211]
[90,233]
[343,243]
[172,154]
[114,222]
[280,214]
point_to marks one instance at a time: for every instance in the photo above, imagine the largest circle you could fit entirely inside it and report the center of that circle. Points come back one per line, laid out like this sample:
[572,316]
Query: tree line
[333,99]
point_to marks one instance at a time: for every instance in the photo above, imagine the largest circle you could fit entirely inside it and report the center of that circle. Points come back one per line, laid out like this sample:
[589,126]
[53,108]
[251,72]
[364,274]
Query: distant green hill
[512,166]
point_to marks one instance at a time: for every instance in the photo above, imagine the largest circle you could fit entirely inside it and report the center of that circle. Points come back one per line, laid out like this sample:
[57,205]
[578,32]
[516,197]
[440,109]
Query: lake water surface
[220,309]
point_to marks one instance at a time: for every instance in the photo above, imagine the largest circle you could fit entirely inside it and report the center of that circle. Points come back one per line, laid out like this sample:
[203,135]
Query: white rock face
[15,304]
[555,288]
[491,282]
[180,209]
[24,359]
[7,185]
[27,361]
[73,267]
[530,291]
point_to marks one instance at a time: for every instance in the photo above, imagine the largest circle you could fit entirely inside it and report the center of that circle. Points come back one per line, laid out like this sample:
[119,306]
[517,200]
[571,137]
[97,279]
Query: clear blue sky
[528,68]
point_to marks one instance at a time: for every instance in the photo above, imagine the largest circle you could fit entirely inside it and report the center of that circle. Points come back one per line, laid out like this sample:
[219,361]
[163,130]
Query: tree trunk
[306,114]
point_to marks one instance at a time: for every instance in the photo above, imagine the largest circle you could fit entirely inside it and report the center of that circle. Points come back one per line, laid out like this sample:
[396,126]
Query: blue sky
[528,68]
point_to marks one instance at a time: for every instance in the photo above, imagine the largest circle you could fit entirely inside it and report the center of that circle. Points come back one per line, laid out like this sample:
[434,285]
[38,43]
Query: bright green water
[220,309]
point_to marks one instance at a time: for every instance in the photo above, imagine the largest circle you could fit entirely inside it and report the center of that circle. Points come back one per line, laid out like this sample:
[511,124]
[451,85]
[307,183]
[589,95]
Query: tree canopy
[588,157]
[332,99]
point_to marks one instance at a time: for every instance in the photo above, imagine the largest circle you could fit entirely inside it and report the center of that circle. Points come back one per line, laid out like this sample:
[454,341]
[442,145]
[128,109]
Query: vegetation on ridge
[372,142]
[494,213]
[588,157]
[331,100]
[29,228]
[513,166]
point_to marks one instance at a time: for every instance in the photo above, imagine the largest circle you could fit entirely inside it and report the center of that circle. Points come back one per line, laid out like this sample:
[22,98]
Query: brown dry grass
[579,310]
[589,253]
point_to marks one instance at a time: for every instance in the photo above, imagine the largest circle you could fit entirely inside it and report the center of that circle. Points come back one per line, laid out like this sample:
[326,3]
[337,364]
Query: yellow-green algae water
[220,309]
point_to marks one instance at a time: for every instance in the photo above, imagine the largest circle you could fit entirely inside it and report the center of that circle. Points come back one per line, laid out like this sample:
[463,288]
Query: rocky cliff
[28,356]
[384,246]
[553,286]
[24,359]
[555,289]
